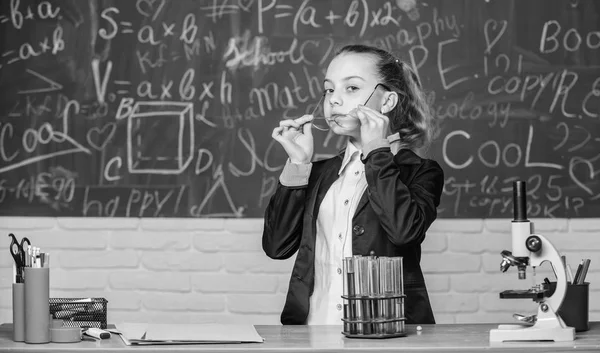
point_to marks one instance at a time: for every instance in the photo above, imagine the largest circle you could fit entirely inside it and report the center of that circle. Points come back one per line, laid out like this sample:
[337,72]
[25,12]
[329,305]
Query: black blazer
[391,219]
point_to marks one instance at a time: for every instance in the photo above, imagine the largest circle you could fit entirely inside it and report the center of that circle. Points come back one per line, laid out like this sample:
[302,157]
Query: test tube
[398,290]
[373,276]
[361,273]
[349,291]
[358,312]
[386,284]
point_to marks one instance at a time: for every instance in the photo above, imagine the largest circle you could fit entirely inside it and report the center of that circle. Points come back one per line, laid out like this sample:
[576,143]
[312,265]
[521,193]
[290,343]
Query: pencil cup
[18,306]
[37,307]
[574,309]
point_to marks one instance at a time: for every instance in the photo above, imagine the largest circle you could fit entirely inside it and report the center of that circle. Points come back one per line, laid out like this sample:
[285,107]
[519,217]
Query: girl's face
[349,81]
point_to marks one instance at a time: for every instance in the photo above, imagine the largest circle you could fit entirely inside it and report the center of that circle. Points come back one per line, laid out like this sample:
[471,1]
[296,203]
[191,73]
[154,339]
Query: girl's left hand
[373,125]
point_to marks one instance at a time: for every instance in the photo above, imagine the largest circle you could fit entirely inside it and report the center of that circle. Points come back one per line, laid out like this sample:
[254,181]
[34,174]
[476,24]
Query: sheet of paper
[203,332]
[141,333]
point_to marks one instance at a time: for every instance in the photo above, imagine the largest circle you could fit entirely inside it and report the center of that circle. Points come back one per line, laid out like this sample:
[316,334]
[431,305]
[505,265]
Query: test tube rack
[373,297]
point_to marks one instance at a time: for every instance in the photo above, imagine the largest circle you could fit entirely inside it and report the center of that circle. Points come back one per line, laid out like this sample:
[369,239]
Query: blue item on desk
[18,253]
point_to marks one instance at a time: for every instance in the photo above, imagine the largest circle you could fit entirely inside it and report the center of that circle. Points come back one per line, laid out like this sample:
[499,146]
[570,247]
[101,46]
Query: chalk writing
[164,108]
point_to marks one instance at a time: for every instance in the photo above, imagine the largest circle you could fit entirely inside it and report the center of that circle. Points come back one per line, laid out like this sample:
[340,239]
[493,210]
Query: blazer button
[358,230]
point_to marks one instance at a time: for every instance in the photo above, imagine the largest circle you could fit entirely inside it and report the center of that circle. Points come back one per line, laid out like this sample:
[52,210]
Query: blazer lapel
[326,179]
[364,199]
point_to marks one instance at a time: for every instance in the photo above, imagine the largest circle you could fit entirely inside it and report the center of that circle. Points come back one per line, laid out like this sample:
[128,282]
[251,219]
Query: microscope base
[531,333]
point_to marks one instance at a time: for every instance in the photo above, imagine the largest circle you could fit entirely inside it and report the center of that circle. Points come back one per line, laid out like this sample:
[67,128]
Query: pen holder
[374,316]
[574,309]
[18,307]
[37,309]
[80,312]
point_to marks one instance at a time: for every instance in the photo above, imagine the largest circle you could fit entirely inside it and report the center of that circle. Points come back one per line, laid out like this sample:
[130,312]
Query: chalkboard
[164,108]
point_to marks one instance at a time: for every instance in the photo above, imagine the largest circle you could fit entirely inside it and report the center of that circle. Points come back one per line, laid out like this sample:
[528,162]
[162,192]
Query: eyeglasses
[320,123]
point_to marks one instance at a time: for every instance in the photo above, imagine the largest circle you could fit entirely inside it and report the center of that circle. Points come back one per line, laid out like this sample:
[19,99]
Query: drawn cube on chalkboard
[160,137]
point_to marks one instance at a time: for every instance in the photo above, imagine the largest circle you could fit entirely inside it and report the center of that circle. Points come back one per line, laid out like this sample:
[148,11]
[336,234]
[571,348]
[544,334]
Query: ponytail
[417,127]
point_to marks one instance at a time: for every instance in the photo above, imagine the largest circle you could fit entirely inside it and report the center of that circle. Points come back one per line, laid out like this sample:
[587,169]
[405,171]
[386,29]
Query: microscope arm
[541,252]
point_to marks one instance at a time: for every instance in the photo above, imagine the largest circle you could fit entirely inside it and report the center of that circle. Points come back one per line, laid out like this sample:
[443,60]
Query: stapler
[532,250]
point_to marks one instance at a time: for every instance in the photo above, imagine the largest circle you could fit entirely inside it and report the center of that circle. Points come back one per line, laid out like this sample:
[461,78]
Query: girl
[376,197]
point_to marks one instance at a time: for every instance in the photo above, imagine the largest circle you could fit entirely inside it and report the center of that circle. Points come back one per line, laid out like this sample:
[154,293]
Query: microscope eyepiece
[519,201]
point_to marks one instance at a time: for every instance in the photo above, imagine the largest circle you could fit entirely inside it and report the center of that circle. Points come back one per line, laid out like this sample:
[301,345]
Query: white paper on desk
[187,333]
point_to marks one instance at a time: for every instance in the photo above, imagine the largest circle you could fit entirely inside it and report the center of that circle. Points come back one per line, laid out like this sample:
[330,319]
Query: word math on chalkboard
[164,108]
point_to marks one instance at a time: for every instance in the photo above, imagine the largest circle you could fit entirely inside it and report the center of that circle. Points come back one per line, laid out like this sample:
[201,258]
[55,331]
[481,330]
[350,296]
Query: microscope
[532,250]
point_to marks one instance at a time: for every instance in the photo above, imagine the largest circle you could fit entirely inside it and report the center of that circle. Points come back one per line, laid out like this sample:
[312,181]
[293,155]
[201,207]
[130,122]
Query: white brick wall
[213,270]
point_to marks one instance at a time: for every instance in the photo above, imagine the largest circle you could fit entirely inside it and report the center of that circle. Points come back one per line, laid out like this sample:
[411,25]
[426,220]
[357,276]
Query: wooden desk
[433,338]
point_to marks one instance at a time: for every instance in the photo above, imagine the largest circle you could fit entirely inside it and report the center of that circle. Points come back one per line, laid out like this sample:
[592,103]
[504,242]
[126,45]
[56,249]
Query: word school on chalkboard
[164,108]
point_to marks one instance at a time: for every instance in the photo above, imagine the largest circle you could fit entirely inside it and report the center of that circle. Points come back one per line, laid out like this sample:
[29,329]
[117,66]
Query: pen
[578,273]
[568,270]
[584,270]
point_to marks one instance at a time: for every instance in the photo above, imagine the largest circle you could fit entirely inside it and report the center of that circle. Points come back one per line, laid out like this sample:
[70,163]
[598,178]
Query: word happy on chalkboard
[164,108]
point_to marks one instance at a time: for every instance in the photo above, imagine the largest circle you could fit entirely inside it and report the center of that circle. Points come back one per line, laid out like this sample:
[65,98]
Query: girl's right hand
[296,138]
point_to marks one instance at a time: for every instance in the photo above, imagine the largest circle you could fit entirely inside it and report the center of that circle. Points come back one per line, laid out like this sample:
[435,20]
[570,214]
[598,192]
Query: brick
[594,305]
[175,302]
[584,224]
[593,277]
[453,303]
[487,283]
[230,283]
[6,315]
[121,316]
[256,262]
[251,225]
[255,303]
[437,283]
[118,300]
[151,281]
[449,263]
[98,259]
[485,317]
[497,225]
[181,224]
[283,283]
[194,317]
[187,261]
[446,225]
[15,224]
[225,241]
[6,299]
[495,242]
[491,302]
[466,243]
[97,223]
[573,241]
[254,319]
[144,240]
[6,278]
[441,318]
[80,280]
[66,239]
[79,293]
[6,260]
[549,225]
[434,243]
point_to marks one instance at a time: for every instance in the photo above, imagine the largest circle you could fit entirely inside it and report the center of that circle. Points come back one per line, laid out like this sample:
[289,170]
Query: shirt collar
[349,154]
